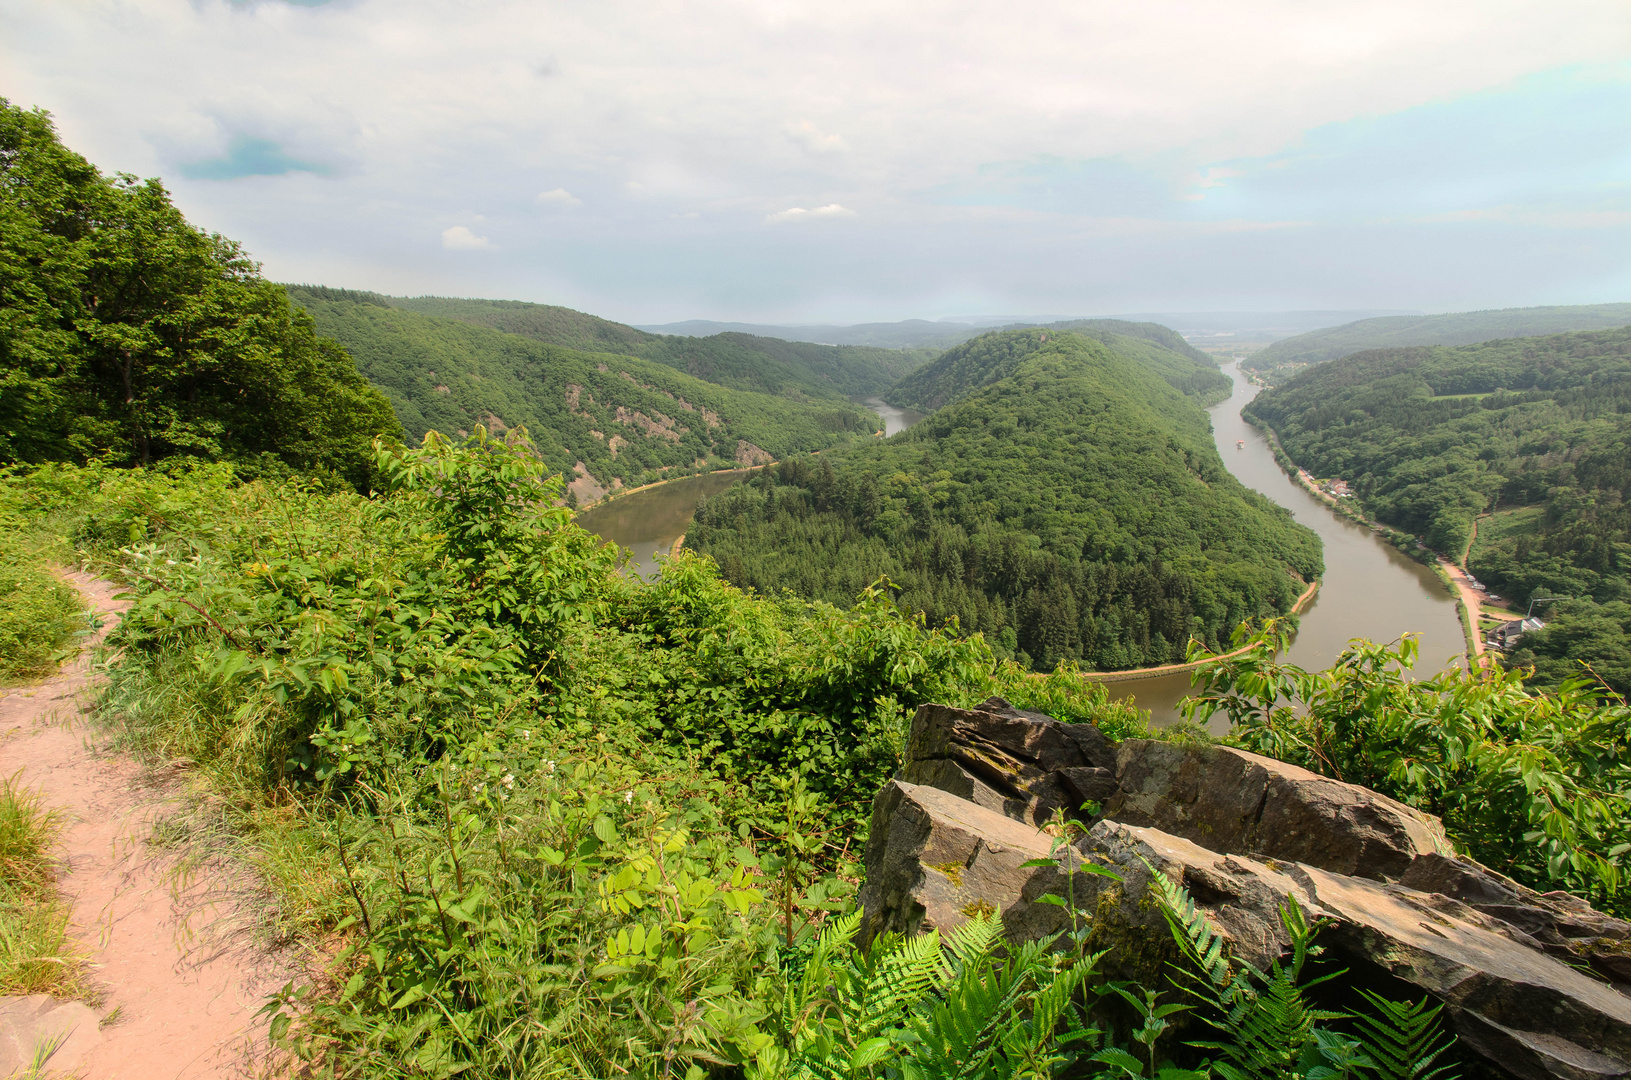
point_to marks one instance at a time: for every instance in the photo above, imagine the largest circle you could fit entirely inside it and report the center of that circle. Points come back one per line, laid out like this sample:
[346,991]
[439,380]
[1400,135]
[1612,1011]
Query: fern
[1403,1040]
[1269,1029]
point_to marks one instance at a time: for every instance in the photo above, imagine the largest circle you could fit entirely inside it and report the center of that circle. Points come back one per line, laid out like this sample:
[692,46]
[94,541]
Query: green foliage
[621,419]
[524,917]
[993,357]
[764,364]
[1268,1027]
[127,332]
[1430,439]
[926,1009]
[37,954]
[1531,784]
[1283,358]
[40,618]
[1076,510]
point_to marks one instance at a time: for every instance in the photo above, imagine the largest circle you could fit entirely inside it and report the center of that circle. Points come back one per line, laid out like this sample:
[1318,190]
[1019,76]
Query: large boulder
[1534,983]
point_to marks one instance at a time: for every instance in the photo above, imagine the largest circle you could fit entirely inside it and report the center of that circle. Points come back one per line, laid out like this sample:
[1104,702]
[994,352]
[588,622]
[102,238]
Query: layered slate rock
[1534,983]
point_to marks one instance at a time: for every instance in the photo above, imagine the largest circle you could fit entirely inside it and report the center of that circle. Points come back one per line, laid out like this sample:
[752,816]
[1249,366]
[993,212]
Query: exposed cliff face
[1537,984]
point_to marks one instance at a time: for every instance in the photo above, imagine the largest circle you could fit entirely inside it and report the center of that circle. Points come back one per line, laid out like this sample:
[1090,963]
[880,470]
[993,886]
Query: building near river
[1506,636]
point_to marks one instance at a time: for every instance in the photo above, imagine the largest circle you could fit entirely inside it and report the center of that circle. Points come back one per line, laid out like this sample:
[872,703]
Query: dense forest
[996,356]
[1074,508]
[128,335]
[768,365]
[1284,358]
[602,418]
[1533,432]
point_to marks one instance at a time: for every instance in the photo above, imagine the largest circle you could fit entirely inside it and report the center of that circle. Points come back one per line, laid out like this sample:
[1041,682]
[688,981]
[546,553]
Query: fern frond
[976,939]
[1403,1040]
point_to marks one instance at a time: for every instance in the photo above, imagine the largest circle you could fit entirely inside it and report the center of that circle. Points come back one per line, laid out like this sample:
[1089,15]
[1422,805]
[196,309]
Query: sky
[789,161]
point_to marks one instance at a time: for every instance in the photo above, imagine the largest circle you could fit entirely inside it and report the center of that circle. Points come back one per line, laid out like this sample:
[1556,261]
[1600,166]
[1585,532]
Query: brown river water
[1370,589]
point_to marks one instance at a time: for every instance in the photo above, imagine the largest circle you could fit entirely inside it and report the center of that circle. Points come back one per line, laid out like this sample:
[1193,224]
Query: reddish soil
[177,958]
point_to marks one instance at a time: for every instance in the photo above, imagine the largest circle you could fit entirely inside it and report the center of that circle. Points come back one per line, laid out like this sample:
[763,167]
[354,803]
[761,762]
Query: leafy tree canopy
[127,332]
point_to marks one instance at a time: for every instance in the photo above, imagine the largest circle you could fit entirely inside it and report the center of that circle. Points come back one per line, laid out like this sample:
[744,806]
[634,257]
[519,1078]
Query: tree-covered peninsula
[1073,509]
[1520,449]
[995,356]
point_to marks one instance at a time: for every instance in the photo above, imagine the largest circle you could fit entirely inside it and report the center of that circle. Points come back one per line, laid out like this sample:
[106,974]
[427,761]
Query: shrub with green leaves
[1531,784]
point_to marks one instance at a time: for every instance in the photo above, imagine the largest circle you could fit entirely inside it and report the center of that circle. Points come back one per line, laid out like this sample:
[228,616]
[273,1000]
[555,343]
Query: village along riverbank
[1370,589]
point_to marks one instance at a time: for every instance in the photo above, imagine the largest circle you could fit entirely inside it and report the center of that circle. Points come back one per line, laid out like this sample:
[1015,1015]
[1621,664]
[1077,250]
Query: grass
[37,955]
[41,616]
[1505,525]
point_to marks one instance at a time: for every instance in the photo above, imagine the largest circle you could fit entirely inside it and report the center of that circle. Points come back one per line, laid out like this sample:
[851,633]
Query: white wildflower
[551,765]
[508,781]
[628,796]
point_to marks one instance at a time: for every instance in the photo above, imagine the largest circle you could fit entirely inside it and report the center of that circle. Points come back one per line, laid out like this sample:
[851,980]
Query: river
[1370,590]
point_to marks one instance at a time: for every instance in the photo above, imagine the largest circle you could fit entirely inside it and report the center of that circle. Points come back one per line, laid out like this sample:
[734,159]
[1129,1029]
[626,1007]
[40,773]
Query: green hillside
[1283,358]
[996,356]
[1075,509]
[798,370]
[1535,432]
[605,418]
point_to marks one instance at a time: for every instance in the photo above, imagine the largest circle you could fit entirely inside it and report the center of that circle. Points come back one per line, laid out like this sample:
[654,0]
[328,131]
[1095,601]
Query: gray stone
[1234,802]
[1513,967]
[1022,764]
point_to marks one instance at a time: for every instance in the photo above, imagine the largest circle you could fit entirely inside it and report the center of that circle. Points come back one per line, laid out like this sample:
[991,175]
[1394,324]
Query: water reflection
[648,522]
[1370,589]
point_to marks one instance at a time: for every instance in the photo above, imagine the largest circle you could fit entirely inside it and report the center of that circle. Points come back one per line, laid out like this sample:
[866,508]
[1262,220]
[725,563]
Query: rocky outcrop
[1536,984]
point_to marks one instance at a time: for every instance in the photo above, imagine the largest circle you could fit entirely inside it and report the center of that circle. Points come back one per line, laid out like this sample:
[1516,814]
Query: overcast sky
[844,161]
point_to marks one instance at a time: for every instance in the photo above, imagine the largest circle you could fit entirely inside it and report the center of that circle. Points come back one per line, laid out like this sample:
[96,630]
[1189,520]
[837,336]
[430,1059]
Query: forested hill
[1283,358]
[996,356]
[605,418]
[799,370]
[1076,509]
[1533,432]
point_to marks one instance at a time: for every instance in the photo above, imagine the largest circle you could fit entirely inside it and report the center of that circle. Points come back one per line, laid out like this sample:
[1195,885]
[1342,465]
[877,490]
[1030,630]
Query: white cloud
[731,109]
[806,135]
[460,238]
[798,213]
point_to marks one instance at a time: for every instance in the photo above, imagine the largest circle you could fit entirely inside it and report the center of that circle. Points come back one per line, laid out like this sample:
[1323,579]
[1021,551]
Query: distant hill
[1463,328]
[907,334]
[915,333]
[606,419]
[995,356]
[1075,509]
[741,360]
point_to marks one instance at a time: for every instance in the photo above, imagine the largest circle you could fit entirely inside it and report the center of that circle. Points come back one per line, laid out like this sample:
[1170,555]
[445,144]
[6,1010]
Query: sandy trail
[182,975]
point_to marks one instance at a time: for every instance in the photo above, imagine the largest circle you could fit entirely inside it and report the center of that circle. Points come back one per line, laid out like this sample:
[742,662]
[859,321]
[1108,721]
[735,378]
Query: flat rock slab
[40,1030]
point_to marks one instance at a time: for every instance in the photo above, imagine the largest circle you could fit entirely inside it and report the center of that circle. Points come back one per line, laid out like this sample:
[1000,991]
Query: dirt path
[182,974]
[1470,598]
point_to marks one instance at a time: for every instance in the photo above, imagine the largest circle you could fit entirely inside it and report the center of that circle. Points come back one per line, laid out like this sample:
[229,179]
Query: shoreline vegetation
[1402,541]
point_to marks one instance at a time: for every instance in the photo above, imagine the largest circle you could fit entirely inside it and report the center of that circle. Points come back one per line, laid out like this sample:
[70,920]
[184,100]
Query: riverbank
[1468,608]
[1297,608]
[613,496]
